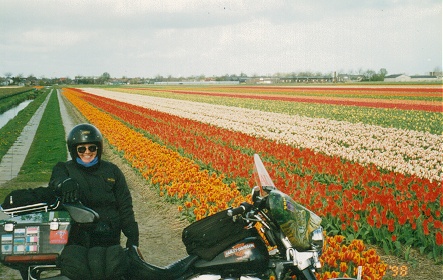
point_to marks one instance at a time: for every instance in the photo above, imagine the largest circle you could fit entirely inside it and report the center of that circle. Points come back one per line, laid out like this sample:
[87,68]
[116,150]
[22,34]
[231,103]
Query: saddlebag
[208,237]
[26,197]
[33,238]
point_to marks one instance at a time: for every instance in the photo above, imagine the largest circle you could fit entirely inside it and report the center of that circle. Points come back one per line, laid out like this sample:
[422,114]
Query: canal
[11,113]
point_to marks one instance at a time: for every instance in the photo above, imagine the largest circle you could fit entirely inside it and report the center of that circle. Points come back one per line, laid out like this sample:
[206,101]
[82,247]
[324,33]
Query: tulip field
[367,160]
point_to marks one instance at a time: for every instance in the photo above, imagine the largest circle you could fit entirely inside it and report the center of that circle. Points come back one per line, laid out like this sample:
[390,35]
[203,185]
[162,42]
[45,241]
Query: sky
[147,38]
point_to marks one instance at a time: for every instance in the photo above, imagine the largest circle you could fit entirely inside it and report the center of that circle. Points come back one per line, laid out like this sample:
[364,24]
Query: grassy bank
[10,97]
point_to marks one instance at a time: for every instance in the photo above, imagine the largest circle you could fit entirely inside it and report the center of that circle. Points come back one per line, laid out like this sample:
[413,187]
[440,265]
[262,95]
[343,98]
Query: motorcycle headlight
[317,240]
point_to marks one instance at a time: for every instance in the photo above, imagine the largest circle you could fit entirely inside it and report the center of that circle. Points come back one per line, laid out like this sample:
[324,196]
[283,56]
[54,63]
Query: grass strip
[5,92]
[48,147]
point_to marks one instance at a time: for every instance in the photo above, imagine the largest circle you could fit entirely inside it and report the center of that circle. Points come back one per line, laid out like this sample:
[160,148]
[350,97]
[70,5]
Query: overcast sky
[146,38]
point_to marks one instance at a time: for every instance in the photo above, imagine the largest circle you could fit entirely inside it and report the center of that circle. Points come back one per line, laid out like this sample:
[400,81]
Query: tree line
[106,78]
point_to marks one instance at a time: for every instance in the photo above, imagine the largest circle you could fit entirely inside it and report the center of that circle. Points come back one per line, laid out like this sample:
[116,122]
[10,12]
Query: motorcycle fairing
[295,221]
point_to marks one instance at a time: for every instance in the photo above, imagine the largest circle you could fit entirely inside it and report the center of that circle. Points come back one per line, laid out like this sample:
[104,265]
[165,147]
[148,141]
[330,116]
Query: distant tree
[31,80]
[104,78]
[436,71]
[383,72]
[369,75]
[17,79]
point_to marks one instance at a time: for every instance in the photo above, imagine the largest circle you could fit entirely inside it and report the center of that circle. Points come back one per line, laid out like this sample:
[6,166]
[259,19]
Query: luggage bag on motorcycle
[208,237]
[33,238]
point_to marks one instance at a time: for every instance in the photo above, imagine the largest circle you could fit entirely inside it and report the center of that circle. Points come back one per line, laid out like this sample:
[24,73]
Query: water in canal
[11,113]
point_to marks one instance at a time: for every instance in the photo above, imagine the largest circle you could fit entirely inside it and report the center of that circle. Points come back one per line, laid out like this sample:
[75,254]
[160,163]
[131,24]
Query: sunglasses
[82,149]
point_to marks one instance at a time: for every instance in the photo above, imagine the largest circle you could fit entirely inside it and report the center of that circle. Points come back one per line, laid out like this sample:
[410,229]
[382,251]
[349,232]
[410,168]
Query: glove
[131,232]
[69,190]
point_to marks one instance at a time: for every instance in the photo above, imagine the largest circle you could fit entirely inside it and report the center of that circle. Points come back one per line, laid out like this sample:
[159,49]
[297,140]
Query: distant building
[424,78]
[406,78]
[343,78]
[306,79]
[397,78]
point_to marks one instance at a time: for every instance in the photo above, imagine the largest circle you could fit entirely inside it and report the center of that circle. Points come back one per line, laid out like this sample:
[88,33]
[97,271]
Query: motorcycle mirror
[81,214]
[255,193]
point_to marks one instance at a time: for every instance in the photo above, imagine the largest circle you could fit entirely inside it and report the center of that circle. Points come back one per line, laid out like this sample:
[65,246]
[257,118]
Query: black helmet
[82,134]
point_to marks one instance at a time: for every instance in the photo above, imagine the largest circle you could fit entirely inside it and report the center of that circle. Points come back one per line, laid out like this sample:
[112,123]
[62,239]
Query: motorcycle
[273,237]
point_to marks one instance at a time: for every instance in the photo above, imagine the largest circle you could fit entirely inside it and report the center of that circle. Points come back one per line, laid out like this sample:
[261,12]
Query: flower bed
[387,208]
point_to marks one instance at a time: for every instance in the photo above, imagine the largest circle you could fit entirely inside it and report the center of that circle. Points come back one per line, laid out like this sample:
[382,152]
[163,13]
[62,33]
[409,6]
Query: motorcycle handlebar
[244,207]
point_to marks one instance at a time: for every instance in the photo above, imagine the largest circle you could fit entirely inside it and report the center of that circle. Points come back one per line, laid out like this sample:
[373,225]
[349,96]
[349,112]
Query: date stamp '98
[398,270]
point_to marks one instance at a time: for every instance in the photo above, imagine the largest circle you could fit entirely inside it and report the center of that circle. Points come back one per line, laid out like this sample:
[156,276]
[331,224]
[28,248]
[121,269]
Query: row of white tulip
[398,150]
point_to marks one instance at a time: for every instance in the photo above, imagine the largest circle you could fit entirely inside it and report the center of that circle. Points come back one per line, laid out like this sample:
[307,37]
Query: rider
[97,184]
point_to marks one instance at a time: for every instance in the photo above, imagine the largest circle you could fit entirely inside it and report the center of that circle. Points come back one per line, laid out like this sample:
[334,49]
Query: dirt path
[159,223]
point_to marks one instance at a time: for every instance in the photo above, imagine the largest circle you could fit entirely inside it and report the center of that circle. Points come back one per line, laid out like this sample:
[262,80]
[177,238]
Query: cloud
[146,38]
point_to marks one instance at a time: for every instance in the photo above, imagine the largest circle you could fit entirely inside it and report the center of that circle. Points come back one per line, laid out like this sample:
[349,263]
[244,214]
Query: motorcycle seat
[143,270]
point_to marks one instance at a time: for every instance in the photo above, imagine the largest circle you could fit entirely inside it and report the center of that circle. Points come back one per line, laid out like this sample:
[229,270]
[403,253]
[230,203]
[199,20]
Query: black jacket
[103,188]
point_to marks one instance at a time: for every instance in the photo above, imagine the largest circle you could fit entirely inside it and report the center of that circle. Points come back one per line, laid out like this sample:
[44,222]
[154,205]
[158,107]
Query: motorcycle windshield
[296,222]
[262,178]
